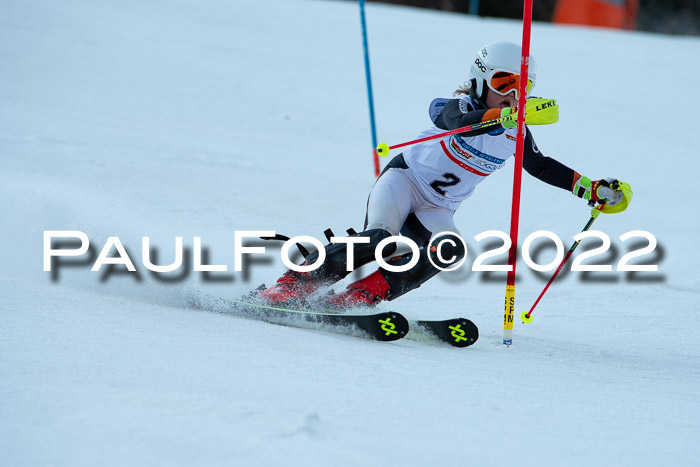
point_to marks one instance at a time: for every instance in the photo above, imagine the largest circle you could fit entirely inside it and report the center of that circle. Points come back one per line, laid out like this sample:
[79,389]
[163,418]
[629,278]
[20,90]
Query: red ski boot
[365,292]
[292,288]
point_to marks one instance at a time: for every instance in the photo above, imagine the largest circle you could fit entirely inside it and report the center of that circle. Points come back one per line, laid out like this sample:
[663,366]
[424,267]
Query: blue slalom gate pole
[369,88]
[474,7]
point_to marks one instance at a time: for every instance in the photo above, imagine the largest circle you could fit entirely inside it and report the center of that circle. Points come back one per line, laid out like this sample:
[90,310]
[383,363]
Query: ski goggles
[505,82]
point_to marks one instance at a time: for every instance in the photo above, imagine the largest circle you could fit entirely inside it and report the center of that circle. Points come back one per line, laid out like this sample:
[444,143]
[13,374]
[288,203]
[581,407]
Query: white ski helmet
[493,69]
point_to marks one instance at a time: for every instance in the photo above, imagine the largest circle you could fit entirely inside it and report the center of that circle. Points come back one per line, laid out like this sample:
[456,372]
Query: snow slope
[186,118]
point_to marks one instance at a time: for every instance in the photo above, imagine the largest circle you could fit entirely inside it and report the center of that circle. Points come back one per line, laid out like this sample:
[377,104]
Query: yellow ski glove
[538,111]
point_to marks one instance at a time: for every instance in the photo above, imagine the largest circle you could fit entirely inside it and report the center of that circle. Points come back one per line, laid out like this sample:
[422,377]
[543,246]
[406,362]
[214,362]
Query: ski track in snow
[184,118]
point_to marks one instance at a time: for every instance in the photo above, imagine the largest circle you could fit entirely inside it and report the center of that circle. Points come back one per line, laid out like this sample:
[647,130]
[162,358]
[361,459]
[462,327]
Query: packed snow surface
[186,118]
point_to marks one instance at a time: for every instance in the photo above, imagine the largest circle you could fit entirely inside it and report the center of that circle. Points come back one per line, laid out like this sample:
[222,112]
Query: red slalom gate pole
[517,179]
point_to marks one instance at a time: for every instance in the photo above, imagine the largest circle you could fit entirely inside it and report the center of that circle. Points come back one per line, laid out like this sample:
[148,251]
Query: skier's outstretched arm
[555,173]
[545,168]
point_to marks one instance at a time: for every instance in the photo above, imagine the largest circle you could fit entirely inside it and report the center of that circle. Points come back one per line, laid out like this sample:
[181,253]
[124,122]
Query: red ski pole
[383,148]
[527,317]
[543,112]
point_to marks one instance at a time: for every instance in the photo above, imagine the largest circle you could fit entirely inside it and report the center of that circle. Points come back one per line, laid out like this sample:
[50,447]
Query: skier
[419,190]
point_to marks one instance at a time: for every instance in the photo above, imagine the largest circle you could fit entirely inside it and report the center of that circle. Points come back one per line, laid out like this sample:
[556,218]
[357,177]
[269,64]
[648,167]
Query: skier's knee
[375,237]
[378,234]
[335,266]
[447,250]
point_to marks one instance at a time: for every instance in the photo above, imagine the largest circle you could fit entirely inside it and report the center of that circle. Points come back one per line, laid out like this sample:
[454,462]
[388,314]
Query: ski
[385,326]
[459,332]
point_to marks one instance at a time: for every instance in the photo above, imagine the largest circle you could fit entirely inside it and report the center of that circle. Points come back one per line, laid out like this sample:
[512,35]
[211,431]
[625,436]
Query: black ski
[459,332]
[386,326]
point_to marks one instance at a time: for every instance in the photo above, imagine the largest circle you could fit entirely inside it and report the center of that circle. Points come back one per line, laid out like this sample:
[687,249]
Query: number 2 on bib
[450,180]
